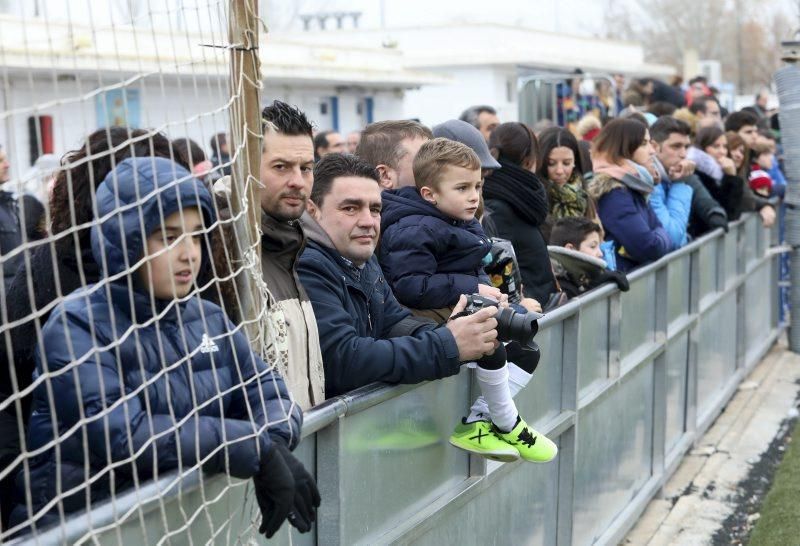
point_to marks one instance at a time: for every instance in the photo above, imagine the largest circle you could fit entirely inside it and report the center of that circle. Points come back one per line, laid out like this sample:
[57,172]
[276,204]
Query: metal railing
[627,382]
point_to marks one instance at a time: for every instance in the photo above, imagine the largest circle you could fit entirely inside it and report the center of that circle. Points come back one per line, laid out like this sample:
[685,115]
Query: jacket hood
[403,202]
[314,232]
[133,200]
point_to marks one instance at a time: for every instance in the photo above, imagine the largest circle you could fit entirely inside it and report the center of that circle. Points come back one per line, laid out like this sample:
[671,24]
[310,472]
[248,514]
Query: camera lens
[519,327]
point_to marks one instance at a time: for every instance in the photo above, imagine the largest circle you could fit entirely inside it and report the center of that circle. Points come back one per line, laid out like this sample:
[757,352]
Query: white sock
[495,389]
[518,379]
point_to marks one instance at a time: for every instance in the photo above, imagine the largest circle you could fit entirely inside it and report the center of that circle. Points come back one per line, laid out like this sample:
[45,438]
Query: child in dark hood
[151,378]
[584,237]
[433,250]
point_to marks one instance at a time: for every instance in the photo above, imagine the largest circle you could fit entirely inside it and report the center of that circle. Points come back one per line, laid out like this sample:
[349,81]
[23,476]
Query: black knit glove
[616,276]
[275,491]
[306,494]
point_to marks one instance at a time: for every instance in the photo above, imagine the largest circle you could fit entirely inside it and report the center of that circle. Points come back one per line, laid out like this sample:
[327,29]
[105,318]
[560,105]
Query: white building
[78,69]
[488,63]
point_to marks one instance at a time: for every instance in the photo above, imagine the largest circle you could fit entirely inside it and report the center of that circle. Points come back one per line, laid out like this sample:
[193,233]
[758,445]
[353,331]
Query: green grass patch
[780,514]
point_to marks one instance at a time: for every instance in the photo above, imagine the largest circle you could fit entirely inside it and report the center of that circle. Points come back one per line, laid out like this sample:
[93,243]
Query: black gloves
[306,495]
[617,276]
[274,487]
[284,488]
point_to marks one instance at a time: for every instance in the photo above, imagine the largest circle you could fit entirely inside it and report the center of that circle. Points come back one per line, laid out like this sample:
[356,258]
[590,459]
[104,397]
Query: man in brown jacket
[287,165]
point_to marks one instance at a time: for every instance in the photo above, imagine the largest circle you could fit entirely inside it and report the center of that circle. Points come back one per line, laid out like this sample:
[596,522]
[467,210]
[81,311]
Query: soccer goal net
[131,280]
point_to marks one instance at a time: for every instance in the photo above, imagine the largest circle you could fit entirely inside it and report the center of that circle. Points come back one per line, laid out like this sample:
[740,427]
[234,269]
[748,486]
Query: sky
[582,17]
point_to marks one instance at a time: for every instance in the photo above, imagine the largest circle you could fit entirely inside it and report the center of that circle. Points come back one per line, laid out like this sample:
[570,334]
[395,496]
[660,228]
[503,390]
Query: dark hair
[286,120]
[667,125]
[637,116]
[85,168]
[513,142]
[707,136]
[700,104]
[189,151]
[619,139]
[321,141]
[556,137]
[336,165]
[662,108]
[739,119]
[573,230]
[470,115]
[218,141]
[380,141]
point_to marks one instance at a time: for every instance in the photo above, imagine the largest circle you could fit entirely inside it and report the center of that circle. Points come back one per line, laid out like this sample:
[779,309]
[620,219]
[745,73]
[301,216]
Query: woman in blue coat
[621,187]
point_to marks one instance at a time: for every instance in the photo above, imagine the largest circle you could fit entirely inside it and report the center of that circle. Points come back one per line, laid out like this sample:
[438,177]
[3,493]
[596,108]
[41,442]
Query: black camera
[511,326]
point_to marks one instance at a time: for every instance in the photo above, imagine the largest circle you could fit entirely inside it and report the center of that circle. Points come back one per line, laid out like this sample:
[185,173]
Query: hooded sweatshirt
[158,385]
[365,334]
[429,258]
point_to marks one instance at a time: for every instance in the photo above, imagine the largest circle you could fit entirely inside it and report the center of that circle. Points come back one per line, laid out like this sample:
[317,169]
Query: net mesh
[114,395]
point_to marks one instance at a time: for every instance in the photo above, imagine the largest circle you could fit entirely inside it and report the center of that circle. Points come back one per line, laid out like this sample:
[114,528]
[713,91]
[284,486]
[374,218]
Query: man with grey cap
[463,132]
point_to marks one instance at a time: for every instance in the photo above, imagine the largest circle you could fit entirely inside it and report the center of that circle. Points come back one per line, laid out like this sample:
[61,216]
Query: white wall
[193,108]
[434,104]
[178,108]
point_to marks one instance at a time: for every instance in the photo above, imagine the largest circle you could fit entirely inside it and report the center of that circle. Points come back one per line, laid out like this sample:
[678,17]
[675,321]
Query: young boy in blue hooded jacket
[432,251]
[137,376]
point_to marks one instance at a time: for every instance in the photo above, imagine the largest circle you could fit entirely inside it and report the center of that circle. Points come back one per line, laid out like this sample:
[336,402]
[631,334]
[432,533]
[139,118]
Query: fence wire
[115,120]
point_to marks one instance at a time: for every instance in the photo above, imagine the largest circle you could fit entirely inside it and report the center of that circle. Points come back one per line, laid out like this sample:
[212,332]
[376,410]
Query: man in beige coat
[287,165]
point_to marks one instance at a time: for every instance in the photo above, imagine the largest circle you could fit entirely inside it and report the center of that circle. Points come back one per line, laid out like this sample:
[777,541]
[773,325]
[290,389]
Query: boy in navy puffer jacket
[139,376]
[432,251]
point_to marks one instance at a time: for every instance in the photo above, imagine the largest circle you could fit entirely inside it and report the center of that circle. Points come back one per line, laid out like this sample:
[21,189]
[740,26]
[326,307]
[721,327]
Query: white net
[121,377]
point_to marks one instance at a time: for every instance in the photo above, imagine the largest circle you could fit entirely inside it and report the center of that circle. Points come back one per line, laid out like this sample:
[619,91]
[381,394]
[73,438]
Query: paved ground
[714,484]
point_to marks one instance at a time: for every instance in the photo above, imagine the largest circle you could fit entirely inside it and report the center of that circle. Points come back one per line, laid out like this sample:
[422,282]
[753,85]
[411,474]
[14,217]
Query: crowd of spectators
[369,244]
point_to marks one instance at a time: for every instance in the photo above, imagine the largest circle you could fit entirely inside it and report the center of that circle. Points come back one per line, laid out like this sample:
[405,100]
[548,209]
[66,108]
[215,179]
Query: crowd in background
[369,243]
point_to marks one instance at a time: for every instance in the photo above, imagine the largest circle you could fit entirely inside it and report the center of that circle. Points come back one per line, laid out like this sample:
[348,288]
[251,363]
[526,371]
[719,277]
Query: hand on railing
[767,216]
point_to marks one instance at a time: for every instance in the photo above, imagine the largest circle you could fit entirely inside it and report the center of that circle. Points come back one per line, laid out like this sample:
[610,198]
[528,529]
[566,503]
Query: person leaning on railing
[620,187]
[365,334]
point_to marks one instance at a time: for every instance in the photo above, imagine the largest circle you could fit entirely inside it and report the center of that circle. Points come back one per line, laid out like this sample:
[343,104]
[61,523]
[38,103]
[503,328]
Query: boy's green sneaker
[477,437]
[532,446]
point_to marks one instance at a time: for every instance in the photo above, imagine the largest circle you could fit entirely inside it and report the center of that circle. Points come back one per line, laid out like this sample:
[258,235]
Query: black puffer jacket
[516,202]
[706,214]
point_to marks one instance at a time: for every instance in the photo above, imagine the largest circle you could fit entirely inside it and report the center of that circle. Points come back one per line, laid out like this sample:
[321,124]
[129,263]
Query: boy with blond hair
[432,251]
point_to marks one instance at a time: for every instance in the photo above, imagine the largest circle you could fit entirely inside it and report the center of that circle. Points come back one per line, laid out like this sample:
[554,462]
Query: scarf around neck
[520,189]
[569,199]
[627,173]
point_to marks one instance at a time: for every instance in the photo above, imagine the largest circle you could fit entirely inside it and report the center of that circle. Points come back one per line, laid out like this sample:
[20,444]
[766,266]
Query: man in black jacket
[365,334]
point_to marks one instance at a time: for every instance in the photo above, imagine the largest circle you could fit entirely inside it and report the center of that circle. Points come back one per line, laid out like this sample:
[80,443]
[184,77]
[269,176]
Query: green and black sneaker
[531,445]
[477,437]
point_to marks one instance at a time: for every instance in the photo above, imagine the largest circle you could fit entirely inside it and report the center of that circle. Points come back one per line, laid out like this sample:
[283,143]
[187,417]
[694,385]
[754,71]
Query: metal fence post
[660,374]
[329,456]
[741,269]
[567,454]
[690,423]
